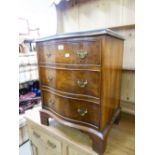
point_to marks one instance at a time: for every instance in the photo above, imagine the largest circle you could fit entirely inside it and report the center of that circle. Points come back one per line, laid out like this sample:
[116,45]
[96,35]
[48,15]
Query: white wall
[84,15]
[40,14]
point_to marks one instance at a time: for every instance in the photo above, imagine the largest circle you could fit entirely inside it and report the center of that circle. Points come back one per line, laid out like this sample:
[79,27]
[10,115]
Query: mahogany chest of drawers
[80,77]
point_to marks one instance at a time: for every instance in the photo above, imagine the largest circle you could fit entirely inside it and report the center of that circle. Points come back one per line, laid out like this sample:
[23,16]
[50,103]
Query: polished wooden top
[81,34]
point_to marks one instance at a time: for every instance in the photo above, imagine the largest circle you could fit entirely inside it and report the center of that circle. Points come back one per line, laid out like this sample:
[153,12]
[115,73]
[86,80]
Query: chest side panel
[112,57]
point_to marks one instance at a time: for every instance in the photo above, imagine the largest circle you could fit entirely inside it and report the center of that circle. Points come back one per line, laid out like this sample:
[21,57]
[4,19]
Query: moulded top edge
[82,34]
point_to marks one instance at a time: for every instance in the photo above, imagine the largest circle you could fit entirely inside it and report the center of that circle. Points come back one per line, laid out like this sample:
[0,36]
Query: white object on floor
[25,149]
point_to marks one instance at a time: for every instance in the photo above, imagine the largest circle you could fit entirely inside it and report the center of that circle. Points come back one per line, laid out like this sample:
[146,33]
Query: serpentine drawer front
[75,110]
[80,77]
[71,52]
[71,81]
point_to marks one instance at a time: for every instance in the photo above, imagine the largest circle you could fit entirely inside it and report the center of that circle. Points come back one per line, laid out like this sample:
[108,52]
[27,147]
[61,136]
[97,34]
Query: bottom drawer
[74,110]
[40,139]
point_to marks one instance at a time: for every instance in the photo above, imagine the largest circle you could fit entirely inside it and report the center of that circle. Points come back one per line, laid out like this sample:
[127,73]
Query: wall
[79,15]
[128,32]
[119,15]
[40,14]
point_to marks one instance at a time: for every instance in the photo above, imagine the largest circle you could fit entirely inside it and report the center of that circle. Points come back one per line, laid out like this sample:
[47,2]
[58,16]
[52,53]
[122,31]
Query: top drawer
[70,52]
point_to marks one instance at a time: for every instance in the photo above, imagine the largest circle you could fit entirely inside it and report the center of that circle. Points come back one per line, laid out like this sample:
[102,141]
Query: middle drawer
[71,81]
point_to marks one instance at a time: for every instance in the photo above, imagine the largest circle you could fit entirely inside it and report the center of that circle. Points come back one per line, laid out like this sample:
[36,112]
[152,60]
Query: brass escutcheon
[82,83]
[82,111]
[82,54]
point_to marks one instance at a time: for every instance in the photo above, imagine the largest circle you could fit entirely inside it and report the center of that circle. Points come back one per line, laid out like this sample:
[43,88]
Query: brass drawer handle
[82,111]
[36,134]
[82,83]
[52,145]
[82,54]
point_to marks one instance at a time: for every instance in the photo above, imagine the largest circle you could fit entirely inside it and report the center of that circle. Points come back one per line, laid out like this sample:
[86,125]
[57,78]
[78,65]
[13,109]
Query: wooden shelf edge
[129,26]
[128,70]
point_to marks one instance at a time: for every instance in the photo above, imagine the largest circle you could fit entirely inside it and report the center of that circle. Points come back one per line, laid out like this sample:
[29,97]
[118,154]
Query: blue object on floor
[25,149]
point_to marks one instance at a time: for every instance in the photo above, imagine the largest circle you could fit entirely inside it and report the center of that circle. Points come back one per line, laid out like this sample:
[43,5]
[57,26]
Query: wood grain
[69,81]
[58,84]
[67,52]
[69,108]
[111,78]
